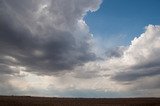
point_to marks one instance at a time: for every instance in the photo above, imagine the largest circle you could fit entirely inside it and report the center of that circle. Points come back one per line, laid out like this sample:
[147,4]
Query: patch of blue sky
[123,19]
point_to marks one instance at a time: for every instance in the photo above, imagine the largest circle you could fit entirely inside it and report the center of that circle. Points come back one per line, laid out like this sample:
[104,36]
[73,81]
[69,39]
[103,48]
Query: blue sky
[123,17]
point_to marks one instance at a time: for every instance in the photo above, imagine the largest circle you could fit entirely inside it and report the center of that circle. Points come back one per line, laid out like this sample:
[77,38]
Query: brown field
[48,101]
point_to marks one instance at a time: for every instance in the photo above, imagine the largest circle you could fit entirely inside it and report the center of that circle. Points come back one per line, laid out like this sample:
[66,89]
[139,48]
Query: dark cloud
[5,69]
[50,50]
[115,52]
[149,68]
[138,72]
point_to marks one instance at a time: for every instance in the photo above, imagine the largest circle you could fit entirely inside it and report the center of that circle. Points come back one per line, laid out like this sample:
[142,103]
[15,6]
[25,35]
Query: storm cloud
[45,36]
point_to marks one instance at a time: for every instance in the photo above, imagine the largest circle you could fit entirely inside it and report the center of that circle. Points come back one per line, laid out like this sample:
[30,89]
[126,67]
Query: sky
[80,48]
[123,18]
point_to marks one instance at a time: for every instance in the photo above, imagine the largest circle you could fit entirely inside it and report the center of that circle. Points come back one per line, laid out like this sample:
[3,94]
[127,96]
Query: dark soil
[48,101]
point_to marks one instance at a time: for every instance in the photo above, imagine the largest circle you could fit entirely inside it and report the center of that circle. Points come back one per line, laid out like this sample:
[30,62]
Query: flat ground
[48,101]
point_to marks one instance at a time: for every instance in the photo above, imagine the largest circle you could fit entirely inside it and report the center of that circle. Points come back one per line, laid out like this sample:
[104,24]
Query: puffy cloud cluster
[138,68]
[142,57]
